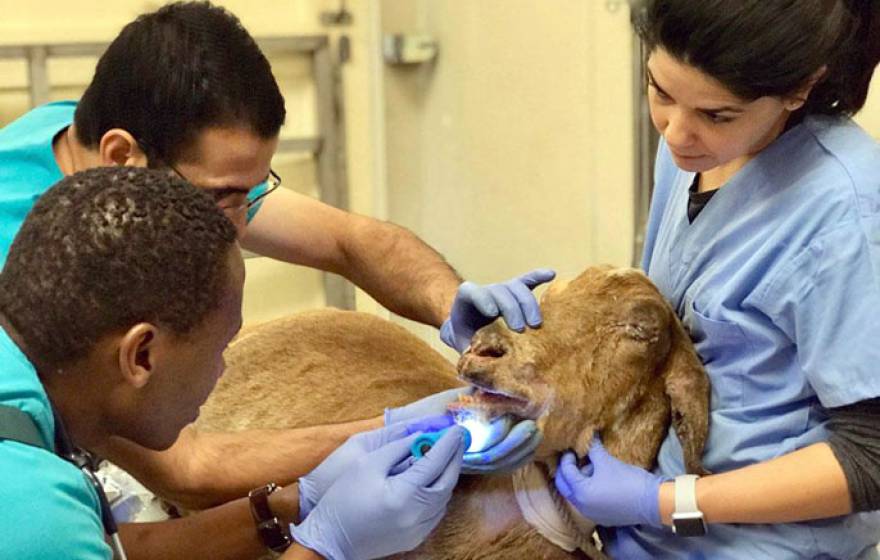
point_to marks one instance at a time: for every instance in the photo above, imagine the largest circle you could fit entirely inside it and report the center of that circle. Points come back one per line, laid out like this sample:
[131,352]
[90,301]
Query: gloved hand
[432,405]
[369,513]
[476,306]
[608,491]
[507,455]
[314,485]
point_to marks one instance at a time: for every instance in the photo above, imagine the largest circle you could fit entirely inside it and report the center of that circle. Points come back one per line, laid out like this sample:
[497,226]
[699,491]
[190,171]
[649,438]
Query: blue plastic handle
[426,441]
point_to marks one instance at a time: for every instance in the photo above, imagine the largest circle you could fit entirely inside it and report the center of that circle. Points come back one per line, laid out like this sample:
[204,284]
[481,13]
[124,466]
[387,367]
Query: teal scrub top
[49,510]
[778,283]
[28,167]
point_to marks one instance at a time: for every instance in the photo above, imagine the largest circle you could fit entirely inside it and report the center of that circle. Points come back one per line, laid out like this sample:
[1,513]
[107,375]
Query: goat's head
[609,339]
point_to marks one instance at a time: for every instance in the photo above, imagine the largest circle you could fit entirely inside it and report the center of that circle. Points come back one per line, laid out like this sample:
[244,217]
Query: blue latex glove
[507,455]
[314,485]
[476,306]
[608,491]
[370,513]
[432,405]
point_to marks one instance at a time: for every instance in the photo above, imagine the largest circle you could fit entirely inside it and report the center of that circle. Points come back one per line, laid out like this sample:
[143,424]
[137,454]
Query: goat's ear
[645,320]
[687,386]
[641,325]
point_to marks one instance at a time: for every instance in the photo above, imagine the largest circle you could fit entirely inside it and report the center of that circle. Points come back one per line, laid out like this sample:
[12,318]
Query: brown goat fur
[611,357]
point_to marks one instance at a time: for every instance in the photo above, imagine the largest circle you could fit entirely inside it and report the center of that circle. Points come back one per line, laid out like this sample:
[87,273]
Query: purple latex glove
[513,451]
[432,405]
[608,491]
[314,485]
[476,306]
[368,512]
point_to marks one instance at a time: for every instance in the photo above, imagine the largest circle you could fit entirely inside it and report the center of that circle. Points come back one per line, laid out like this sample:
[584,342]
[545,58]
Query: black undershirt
[854,429]
[697,200]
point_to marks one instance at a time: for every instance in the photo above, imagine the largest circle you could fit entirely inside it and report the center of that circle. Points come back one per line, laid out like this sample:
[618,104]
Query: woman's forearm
[802,485]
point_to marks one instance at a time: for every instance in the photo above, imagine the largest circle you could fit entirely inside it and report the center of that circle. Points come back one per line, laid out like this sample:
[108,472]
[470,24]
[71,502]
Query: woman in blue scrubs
[764,234]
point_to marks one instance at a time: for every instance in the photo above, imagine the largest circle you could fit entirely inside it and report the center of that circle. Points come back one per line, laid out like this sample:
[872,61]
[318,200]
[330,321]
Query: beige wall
[869,117]
[513,150]
[273,289]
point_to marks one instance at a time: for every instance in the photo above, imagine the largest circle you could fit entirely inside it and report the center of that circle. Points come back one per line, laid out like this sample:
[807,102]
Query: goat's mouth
[492,403]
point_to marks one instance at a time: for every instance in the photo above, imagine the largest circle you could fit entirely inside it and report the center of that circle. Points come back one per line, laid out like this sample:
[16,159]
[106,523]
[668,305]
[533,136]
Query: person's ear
[119,147]
[138,353]
[797,99]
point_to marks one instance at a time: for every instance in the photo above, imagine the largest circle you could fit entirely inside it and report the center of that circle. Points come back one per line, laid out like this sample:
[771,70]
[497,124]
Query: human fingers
[433,423]
[449,448]
[537,277]
[509,306]
[478,296]
[523,437]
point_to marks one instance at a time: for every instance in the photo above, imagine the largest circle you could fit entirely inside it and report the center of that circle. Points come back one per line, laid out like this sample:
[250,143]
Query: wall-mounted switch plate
[407,48]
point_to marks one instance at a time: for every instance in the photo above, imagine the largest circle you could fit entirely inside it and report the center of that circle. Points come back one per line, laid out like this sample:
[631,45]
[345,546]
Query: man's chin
[158,440]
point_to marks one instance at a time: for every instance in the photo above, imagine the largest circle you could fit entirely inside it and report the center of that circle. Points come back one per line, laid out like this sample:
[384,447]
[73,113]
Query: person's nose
[678,129]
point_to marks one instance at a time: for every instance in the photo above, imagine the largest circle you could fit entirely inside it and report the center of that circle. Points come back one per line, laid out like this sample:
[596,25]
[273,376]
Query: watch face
[689,526]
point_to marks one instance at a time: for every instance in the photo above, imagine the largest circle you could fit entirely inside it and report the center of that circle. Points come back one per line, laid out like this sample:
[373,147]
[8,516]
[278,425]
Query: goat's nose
[489,345]
[490,351]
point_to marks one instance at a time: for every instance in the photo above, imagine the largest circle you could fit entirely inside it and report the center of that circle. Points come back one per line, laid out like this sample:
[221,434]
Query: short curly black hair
[110,247]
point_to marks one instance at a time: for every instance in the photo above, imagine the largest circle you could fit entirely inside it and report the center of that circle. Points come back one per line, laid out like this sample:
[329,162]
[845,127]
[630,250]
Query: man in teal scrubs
[185,89]
[133,352]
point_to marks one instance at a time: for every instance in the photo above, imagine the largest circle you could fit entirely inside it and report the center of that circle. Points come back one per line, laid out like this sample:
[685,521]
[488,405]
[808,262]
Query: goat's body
[331,366]
[322,367]
[611,358]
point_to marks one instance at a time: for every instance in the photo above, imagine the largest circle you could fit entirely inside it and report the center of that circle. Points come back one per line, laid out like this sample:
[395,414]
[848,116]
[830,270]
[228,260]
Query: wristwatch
[687,519]
[274,533]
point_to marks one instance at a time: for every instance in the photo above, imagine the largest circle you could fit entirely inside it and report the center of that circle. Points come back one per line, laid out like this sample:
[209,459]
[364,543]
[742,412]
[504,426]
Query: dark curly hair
[110,247]
[172,73]
[760,48]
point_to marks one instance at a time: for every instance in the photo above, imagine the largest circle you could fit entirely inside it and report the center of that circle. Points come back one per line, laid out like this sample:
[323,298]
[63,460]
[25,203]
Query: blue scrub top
[28,167]
[778,282]
[49,510]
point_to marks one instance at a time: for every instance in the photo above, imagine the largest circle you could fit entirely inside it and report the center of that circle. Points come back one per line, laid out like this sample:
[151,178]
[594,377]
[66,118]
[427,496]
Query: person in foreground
[211,112]
[764,234]
[119,295]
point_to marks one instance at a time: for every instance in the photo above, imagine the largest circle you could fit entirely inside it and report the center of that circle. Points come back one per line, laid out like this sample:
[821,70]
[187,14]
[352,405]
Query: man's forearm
[203,469]
[223,532]
[387,261]
[400,271]
[803,485]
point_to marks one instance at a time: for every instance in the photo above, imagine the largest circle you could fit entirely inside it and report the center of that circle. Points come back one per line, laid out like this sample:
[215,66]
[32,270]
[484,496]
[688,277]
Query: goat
[610,358]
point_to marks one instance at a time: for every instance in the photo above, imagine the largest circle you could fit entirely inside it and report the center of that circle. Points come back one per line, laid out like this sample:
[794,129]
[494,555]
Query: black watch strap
[272,531]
